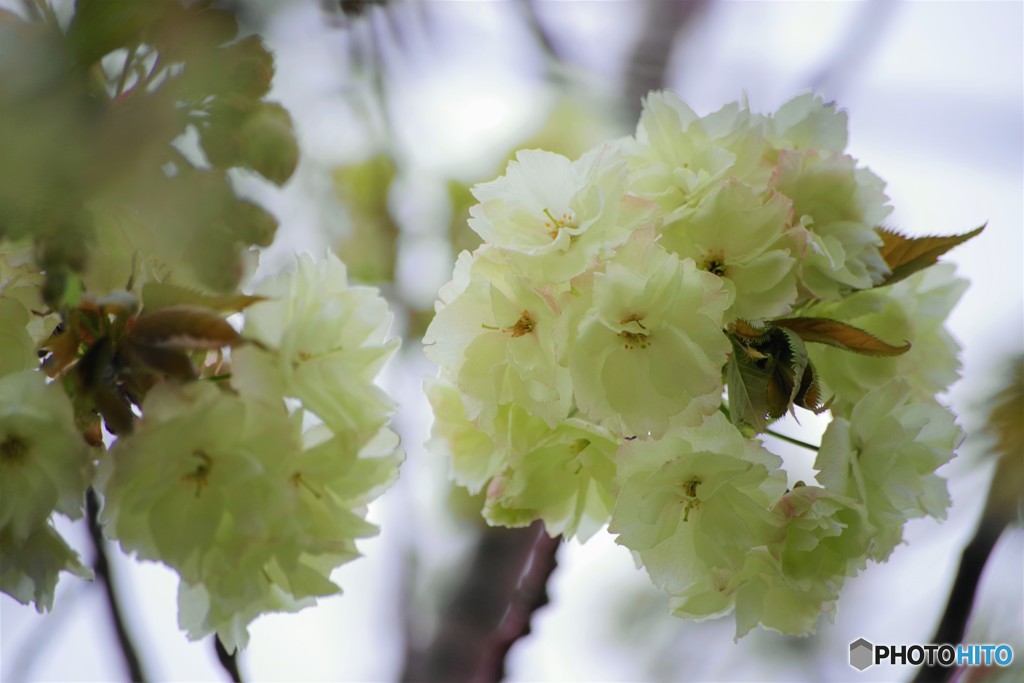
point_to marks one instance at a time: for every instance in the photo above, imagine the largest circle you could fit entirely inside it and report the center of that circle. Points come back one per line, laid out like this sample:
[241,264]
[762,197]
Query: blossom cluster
[241,457]
[635,318]
[45,465]
[248,477]
[254,492]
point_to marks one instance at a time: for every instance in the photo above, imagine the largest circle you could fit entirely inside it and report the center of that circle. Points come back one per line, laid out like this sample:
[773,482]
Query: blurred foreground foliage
[100,116]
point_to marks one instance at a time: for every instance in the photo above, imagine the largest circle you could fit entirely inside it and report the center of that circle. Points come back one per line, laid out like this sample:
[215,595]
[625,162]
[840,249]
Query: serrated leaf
[183,327]
[748,388]
[157,295]
[63,348]
[792,370]
[808,394]
[840,335]
[907,255]
[747,332]
[168,361]
[768,377]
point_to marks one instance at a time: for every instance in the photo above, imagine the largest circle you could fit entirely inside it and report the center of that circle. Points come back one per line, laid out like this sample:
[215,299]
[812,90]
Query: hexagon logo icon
[861,654]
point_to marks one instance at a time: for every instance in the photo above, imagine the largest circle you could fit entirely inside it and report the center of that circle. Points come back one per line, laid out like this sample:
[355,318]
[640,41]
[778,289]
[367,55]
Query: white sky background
[934,95]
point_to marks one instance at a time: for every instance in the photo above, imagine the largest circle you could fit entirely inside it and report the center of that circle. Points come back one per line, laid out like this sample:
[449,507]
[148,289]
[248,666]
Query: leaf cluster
[769,372]
[110,354]
[92,118]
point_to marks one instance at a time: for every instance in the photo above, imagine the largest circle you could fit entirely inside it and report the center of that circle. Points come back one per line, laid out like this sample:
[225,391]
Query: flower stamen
[14,450]
[200,476]
[524,325]
[690,500]
[555,224]
[714,263]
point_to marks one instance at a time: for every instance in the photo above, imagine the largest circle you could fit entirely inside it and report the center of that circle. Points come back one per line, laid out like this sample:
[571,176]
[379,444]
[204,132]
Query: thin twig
[540,33]
[101,566]
[227,660]
[123,80]
[790,439]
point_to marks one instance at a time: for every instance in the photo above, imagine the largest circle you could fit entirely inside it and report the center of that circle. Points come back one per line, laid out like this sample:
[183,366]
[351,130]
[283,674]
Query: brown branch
[473,631]
[101,566]
[1002,508]
[530,596]
[648,63]
[953,624]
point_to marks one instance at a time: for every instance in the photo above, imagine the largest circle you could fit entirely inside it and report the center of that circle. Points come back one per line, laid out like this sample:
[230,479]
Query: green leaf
[808,394]
[788,376]
[841,335]
[747,380]
[267,145]
[184,327]
[167,361]
[907,255]
[157,295]
[371,243]
[768,374]
[102,26]
[748,332]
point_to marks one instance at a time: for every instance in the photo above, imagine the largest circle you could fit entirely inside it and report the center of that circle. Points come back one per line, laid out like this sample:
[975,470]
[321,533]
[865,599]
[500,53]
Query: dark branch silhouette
[102,568]
[227,660]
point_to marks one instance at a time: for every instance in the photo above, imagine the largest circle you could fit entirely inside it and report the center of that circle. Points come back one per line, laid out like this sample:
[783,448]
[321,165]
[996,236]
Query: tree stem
[101,566]
[123,80]
[953,625]
[227,660]
[490,609]
[531,595]
[789,439]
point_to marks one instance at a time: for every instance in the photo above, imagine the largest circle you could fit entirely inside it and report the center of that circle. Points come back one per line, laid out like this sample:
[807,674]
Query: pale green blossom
[182,486]
[554,217]
[914,310]
[23,326]
[496,339]
[563,476]
[692,504]
[322,341]
[823,539]
[44,462]
[840,205]
[45,467]
[471,453]
[744,239]
[806,122]
[29,566]
[885,455]
[252,518]
[650,349]
[677,156]
[814,541]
